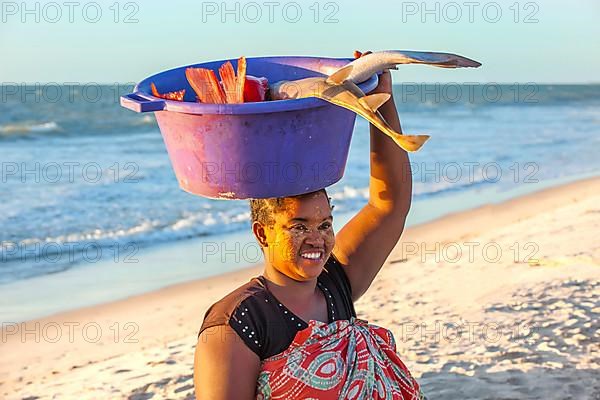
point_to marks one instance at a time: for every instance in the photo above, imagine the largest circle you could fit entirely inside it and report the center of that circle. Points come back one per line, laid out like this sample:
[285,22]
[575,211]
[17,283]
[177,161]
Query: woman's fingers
[358,54]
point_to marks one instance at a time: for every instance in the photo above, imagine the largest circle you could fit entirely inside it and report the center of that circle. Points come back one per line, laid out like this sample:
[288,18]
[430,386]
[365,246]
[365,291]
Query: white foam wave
[419,187]
[27,127]
[349,192]
[144,120]
[150,231]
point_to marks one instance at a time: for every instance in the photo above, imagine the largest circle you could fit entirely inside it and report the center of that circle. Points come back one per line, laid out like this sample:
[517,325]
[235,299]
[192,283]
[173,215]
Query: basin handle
[138,103]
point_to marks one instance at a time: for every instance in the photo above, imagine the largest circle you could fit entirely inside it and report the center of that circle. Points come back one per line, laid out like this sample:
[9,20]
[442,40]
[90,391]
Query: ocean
[85,179]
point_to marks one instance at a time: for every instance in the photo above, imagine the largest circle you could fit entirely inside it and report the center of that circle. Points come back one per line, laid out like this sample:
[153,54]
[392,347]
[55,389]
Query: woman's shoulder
[234,303]
[247,310]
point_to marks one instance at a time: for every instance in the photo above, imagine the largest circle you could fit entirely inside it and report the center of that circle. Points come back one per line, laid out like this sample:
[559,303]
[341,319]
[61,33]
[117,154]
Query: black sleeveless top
[265,325]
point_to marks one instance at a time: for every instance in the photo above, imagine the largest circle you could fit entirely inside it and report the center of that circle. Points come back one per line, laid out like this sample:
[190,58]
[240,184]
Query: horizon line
[2,84]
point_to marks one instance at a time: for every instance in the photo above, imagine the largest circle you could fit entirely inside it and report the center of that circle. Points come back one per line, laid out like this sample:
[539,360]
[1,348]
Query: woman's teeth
[312,256]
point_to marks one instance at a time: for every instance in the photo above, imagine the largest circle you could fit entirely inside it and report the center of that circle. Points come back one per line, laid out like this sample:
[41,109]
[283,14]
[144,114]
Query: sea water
[86,185]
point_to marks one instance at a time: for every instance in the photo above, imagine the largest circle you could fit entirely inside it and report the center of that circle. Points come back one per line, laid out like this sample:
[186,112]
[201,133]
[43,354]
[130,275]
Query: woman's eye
[299,227]
[326,225]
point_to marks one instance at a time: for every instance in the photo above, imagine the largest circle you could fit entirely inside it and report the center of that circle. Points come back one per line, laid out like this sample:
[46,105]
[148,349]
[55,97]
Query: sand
[499,302]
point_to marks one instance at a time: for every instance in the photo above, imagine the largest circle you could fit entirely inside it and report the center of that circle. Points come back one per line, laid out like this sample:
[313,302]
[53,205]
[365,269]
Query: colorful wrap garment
[346,359]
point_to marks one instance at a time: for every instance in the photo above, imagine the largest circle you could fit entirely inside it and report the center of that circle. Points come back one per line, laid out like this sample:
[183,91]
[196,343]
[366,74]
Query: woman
[293,332]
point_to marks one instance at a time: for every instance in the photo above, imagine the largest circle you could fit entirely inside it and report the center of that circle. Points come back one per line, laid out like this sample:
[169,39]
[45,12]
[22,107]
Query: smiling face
[301,238]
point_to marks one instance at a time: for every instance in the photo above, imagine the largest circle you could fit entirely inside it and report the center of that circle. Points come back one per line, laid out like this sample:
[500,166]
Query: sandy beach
[498,302]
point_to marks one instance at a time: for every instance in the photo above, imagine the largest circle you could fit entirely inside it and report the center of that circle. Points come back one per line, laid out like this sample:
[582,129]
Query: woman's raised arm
[365,242]
[224,367]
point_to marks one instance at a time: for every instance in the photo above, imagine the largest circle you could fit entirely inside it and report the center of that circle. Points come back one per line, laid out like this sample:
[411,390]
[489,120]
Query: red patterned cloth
[346,359]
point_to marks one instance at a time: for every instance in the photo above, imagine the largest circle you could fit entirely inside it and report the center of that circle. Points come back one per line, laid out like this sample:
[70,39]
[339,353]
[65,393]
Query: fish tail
[205,84]
[241,78]
[227,74]
[442,60]
[410,143]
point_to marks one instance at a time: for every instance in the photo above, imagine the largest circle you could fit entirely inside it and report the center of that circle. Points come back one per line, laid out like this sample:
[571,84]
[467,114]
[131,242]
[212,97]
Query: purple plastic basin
[252,150]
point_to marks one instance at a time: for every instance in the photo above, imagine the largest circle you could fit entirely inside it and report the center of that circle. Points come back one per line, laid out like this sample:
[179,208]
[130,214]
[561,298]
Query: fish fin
[374,101]
[215,90]
[228,80]
[353,88]
[154,90]
[241,78]
[339,76]
[196,82]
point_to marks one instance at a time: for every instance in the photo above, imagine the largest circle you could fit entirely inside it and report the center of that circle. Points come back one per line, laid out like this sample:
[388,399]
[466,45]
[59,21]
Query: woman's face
[302,237]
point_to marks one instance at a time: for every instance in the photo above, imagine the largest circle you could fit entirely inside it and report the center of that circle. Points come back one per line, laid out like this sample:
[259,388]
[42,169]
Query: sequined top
[266,325]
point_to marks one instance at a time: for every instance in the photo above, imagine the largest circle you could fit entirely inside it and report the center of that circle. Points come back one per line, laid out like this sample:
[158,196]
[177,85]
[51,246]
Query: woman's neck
[288,290]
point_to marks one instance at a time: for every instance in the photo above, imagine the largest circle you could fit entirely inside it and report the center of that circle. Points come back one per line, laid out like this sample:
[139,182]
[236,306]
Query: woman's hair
[262,210]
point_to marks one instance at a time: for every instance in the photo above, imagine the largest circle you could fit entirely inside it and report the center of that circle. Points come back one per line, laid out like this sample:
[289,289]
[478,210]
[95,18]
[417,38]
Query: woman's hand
[388,109]
[385,78]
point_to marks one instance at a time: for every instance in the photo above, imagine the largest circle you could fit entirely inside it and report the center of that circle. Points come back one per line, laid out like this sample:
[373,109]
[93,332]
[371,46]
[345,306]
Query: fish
[242,68]
[366,65]
[230,85]
[256,89]
[176,96]
[232,89]
[339,90]
[206,85]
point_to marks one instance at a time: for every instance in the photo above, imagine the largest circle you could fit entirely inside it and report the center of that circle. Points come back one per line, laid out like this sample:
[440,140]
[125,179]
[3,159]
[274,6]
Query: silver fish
[367,65]
[340,87]
[338,90]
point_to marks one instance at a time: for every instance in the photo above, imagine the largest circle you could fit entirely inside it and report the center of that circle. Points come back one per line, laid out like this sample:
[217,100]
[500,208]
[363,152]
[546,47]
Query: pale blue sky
[561,47]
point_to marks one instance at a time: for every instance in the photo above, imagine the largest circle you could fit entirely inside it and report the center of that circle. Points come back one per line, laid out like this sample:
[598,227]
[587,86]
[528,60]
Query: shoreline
[151,336]
[418,232]
[178,262]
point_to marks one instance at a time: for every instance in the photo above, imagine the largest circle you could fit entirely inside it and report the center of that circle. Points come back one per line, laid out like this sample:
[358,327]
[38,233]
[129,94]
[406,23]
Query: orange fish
[177,96]
[232,89]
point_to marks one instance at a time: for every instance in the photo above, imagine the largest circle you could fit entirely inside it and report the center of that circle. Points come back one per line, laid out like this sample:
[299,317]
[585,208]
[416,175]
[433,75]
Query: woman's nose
[315,238]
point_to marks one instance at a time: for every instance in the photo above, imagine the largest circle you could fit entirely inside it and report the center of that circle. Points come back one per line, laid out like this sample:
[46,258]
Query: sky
[548,41]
